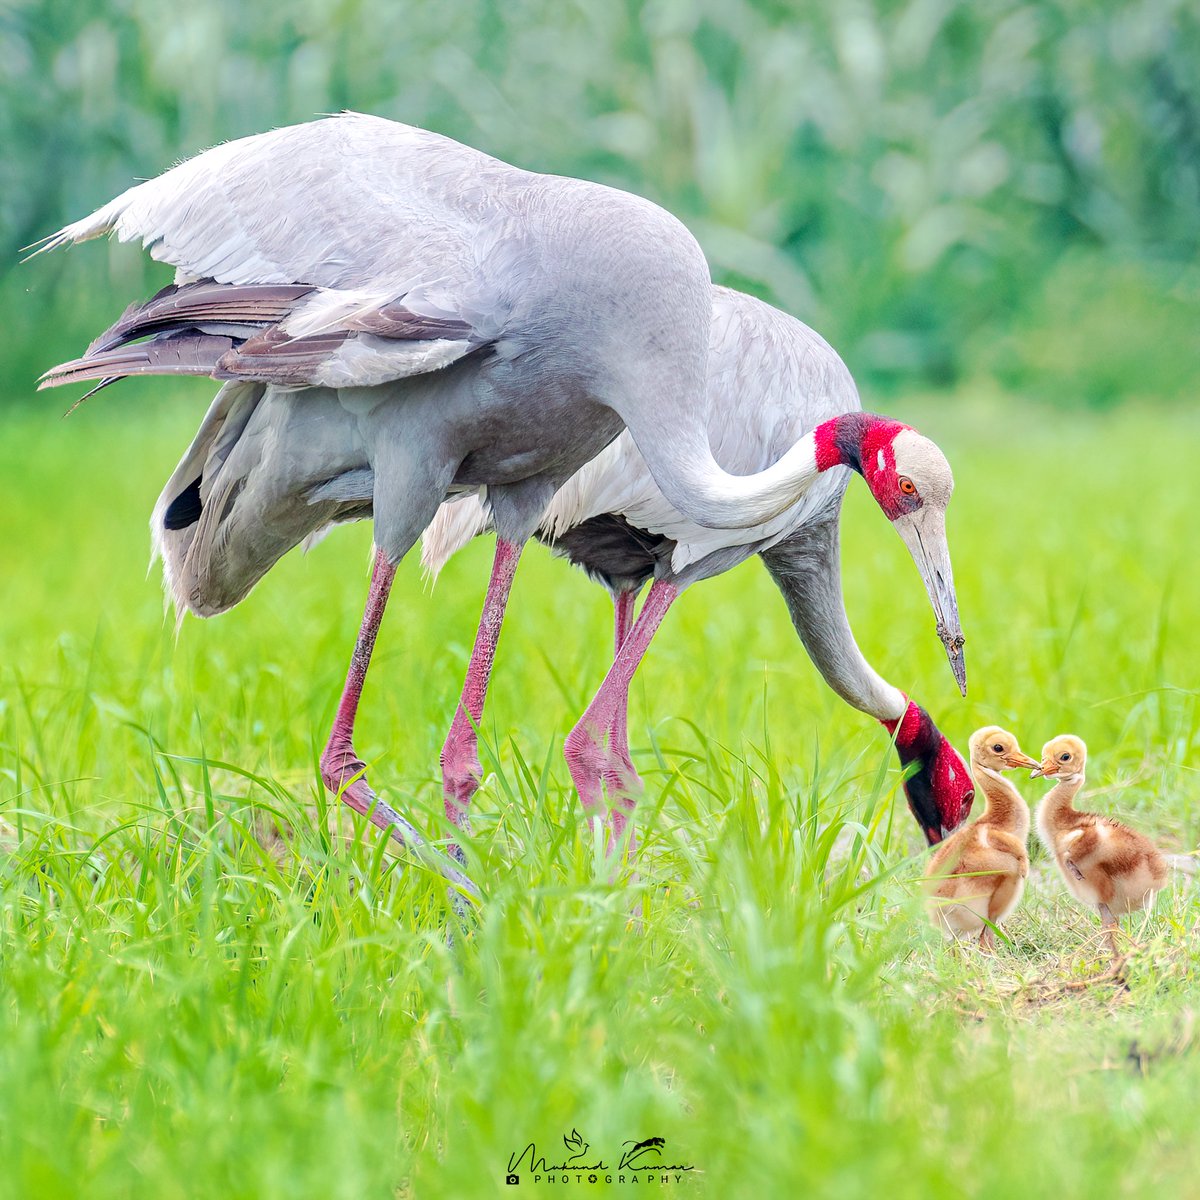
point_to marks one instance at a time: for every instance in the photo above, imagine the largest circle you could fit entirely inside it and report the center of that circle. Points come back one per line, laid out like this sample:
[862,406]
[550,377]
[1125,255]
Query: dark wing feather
[176,308]
[273,357]
[233,331]
[393,320]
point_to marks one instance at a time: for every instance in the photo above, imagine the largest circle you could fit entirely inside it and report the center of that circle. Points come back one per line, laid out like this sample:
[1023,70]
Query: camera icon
[512,1179]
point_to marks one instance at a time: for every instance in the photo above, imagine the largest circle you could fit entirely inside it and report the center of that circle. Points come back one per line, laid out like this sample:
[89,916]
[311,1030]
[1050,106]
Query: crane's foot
[343,774]
[461,775]
[594,768]
[597,769]
[624,787]
[622,833]
[621,779]
[462,906]
[586,760]
[459,785]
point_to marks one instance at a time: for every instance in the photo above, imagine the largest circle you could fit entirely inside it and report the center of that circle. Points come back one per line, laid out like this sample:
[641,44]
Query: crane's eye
[907,486]
[999,749]
[1064,758]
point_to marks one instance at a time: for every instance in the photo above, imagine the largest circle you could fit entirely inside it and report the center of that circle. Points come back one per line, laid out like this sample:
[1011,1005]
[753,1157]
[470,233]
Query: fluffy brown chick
[977,875]
[1106,865]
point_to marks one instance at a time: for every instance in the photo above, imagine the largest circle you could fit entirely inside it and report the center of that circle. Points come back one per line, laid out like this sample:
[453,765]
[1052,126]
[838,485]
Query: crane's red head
[911,481]
[940,791]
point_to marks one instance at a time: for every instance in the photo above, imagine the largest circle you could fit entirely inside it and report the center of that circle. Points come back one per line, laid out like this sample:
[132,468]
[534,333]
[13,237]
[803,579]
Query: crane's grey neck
[682,464]
[695,483]
[807,570]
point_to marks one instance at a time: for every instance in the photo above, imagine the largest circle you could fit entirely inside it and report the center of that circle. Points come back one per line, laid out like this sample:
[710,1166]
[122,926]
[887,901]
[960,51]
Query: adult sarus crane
[397,317]
[772,383]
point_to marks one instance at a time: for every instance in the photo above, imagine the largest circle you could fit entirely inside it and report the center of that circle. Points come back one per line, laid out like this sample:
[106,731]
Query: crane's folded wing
[393,247]
[272,333]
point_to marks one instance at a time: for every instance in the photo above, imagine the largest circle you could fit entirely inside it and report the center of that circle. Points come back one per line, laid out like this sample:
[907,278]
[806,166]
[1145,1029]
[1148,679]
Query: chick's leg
[1110,927]
[1004,894]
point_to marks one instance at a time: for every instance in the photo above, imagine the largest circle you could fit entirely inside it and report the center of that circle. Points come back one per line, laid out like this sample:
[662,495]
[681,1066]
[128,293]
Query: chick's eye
[1064,758]
[907,486]
[999,749]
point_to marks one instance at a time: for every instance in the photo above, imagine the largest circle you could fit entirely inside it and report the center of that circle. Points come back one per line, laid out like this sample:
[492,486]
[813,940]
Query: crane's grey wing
[393,247]
[346,203]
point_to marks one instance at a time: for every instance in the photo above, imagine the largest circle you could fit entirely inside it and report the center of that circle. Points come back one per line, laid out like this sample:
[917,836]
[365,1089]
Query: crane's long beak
[924,533]
[1046,769]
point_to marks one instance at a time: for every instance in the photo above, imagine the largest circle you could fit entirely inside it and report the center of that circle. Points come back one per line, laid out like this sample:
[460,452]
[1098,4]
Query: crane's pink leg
[584,750]
[620,777]
[460,754]
[342,771]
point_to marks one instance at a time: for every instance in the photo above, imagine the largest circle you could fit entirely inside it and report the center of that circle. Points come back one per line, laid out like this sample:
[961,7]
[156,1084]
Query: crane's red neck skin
[941,790]
[863,442]
[914,731]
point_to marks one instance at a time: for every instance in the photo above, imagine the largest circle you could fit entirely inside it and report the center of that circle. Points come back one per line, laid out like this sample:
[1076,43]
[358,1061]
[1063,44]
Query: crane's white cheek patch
[880,462]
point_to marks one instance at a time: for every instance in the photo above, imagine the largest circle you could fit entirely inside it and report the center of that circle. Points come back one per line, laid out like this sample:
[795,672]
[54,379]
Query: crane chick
[977,875]
[1105,864]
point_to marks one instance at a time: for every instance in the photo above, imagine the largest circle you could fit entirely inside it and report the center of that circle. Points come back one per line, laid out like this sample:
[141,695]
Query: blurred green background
[953,193]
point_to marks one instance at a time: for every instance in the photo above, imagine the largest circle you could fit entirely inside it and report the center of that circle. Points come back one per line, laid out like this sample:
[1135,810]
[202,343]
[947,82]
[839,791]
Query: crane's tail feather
[167,354]
[294,335]
[107,381]
[454,524]
[181,324]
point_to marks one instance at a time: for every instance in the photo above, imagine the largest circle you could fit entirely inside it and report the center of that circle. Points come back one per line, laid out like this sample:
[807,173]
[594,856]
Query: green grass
[213,985]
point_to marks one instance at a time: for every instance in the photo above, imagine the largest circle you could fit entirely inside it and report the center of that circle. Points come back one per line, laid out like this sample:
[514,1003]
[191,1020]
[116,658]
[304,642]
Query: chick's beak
[1045,769]
[1019,759]
[924,533]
